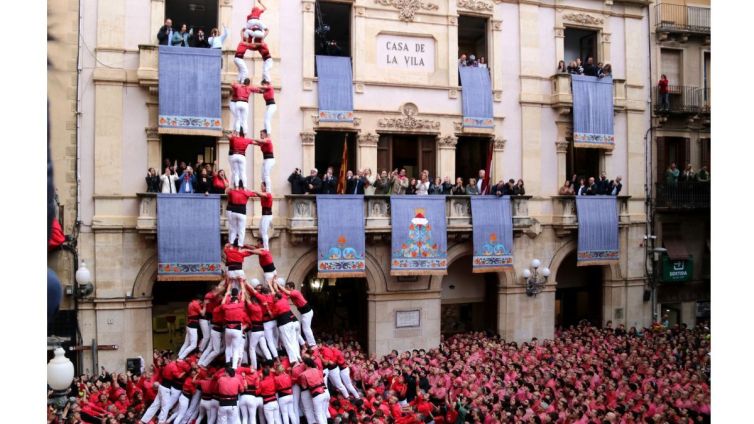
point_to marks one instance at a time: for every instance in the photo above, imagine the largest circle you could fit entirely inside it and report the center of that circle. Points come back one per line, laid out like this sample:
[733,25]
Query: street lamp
[656,257]
[84,280]
[59,378]
[534,278]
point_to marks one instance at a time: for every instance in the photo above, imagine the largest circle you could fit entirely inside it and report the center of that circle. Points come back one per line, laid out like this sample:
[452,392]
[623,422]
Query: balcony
[680,19]
[682,195]
[302,214]
[148,71]
[684,100]
[562,96]
[565,219]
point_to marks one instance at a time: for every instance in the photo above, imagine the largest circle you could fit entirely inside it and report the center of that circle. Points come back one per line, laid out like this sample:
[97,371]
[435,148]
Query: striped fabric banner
[340,236]
[592,111]
[493,233]
[477,97]
[598,230]
[188,237]
[419,235]
[335,89]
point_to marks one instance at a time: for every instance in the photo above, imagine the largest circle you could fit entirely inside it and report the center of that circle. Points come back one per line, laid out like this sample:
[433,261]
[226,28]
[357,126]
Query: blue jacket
[184,187]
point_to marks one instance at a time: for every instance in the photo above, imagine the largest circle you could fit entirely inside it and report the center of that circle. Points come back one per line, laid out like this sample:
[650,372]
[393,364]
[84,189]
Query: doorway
[169,305]
[328,151]
[188,149]
[584,162]
[196,14]
[472,37]
[340,306]
[413,152]
[468,300]
[672,150]
[471,156]
[580,43]
[578,295]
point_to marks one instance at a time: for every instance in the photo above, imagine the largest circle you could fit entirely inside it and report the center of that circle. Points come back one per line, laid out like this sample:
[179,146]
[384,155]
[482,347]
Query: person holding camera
[313,184]
[298,185]
[329,182]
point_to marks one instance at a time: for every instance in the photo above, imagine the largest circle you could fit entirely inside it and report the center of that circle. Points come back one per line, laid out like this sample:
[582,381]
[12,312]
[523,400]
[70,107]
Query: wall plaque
[407,319]
[407,53]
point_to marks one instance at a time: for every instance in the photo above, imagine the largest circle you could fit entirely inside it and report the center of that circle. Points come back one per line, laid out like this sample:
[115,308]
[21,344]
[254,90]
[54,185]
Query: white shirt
[422,188]
[479,185]
[167,183]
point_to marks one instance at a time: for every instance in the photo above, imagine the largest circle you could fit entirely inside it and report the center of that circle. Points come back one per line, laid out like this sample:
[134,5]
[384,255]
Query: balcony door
[671,150]
[195,14]
[413,152]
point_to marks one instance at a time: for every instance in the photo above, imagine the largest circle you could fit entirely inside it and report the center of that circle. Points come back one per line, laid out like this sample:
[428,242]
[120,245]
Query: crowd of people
[673,175]
[397,182]
[582,186]
[576,67]
[584,375]
[472,61]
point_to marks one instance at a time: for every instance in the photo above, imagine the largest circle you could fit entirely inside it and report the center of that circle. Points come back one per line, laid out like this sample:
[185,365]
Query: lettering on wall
[408,53]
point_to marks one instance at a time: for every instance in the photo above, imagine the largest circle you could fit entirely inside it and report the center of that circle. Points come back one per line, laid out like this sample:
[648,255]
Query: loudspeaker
[134,365]
[647,295]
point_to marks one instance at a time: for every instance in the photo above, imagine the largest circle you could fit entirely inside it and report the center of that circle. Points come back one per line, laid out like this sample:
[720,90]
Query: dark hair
[309,362]
[230,371]
[240,184]
[235,242]
[246,81]
[234,292]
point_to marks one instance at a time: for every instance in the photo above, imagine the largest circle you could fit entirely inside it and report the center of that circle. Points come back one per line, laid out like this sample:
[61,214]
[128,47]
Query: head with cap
[280,281]
[254,282]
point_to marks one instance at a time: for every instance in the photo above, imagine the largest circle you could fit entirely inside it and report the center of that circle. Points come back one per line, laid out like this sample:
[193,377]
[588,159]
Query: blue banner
[335,89]
[340,236]
[419,235]
[598,230]
[493,233]
[189,91]
[188,237]
[592,111]
[477,97]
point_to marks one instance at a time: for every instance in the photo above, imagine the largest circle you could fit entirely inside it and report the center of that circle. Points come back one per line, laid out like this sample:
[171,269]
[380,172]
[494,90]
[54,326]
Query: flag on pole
[343,168]
[487,169]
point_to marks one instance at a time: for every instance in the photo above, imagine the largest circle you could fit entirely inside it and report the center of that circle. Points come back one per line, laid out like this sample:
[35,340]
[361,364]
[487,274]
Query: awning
[676,248]
[477,97]
[189,91]
[335,89]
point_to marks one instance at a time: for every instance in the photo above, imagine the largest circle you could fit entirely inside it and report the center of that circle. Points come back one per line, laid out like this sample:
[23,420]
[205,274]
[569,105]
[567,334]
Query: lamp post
[657,253]
[534,278]
[59,378]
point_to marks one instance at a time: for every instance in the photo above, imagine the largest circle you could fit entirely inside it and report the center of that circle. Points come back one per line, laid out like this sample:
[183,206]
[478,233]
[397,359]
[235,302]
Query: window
[332,29]
[413,152]
[583,162]
[471,156]
[670,65]
[197,14]
[328,151]
[472,37]
[580,44]
[188,149]
[671,150]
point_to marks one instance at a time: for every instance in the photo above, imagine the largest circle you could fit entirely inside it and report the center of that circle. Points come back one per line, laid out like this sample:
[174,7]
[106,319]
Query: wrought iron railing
[679,18]
[682,99]
[683,195]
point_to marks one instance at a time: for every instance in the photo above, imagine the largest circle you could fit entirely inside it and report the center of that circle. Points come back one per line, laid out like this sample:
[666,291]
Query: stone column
[307,152]
[157,19]
[452,45]
[366,153]
[497,59]
[154,151]
[446,156]
[224,15]
[308,45]
[222,151]
[561,148]
[497,170]
[560,44]
[359,54]
[605,44]
[531,114]
[636,122]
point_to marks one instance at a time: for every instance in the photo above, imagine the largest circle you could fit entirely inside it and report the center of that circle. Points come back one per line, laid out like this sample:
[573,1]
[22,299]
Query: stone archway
[611,272]
[303,266]
[145,278]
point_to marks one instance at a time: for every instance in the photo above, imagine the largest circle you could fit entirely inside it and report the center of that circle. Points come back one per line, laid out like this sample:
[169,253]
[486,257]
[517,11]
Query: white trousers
[300,339]
[266,68]
[306,328]
[345,377]
[249,405]
[258,34]
[168,398]
[227,414]
[183,404]
[290,342]
[206,410]
[154,407]
[238,170]
[257,339]
[267,165]
[233,114]
[269,112]
[189,343]
[243,71]
[271,337]
[296,399]
[258,31]
[236,227]
[233,346]
[286,410]
[204,326]
[272,413]
[214,349]
[269,276]
[193,408]
[320,408]
[242,118]
[333,376]
[264,226]
[235,276]
[307,405]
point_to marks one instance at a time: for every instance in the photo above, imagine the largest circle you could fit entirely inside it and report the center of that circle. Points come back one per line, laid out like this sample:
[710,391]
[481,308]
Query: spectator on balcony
[354,183]
[216,39]
[329,182]
[566,189]
[473,61]
[187,181]
[447,185]
[590,69]
[688,174]
[462,61]
[382,184]
[220,183]
[203,182]
[482,62]
[458,189]
[481,184]
[615,186]
[168,181]
[165,34]
[423,185]
[153,181]
[664,90]
[199,40]
[369,181]
[603,185]
[435,187]
[562,69]
[607,71]
[581,191]
[499,189]
[592,188]
[411,189]
[181,38]
[518,188]
[471,188]
[399,183]
[573,69]
[312,183]
[671,174]
[297,181]
[703,175]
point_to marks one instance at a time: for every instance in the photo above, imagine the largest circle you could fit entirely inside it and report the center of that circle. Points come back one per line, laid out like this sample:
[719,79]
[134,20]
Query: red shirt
[218,316]
[313,380]
[240,92]
[263,50]
[250,376]
[228,386]
[194,311]
[234,312]
[266,148]
[219,183]
[284,383]
[663,86]
[241,49]
[238,196]
[297,298]
[189,387]
[255,312]
[266,201]
[266,301]
[281,306]
[238,145]
[268,93]
[174,370]
[265,258]
[338,356]
[256,13]
[235,256]
[267,387]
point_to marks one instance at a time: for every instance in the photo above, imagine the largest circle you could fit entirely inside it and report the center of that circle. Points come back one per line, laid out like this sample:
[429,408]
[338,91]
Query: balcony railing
[562,95]
[683,19]
[682,195]
[683,99]
[565,218]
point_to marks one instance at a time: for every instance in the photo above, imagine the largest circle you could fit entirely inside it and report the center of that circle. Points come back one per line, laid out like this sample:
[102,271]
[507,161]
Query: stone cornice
[368,140]
[499,144]
[583,18]
[476,5]
[448,141]
[407,8]
[307,138]
[408,121]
